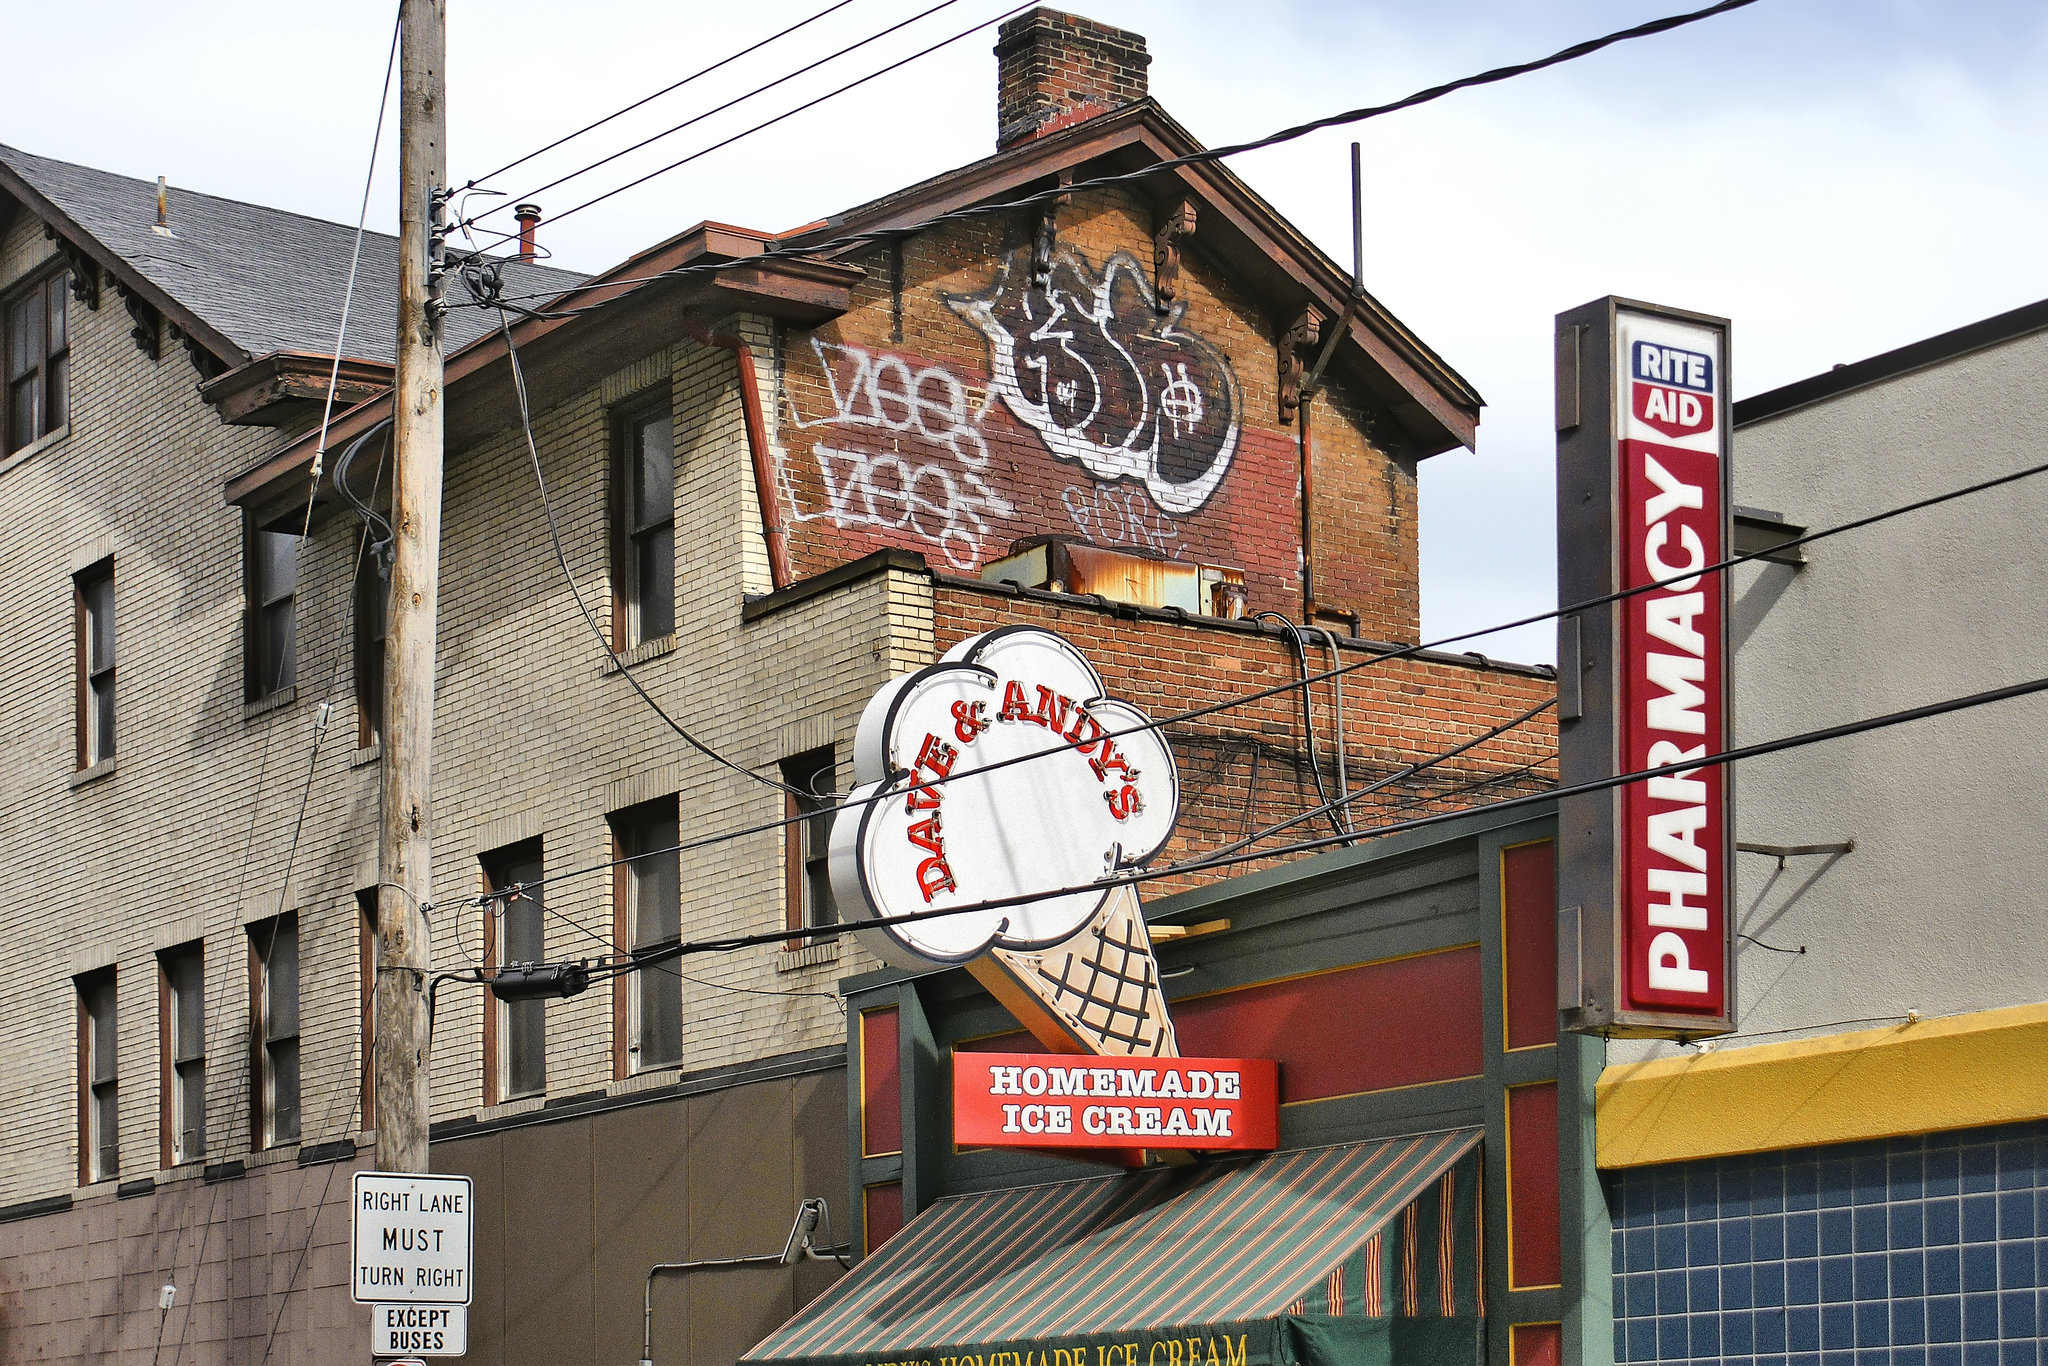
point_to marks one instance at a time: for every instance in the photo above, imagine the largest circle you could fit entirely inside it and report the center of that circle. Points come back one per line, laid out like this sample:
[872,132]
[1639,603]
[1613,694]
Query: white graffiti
[925,468]
[1088,362]
[1108,515]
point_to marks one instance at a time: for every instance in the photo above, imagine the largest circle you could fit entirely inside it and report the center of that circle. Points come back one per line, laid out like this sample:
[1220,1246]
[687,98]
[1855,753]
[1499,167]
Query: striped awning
[1064,1274]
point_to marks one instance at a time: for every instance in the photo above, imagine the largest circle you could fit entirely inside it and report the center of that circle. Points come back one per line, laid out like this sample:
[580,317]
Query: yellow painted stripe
[1958,1072]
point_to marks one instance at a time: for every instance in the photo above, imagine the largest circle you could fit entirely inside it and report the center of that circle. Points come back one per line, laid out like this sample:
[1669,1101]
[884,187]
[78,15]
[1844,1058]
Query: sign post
[413,1264]
[1645,937]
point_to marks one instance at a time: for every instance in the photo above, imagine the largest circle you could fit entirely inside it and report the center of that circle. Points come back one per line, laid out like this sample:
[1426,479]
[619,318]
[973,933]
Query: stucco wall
[1939,907]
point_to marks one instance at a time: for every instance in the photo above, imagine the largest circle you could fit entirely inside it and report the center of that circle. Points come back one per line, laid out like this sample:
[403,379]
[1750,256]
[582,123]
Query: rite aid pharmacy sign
[411,1235]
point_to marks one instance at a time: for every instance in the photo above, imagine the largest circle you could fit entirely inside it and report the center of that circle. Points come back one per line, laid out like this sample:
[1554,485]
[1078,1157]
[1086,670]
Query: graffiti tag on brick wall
[911,457]
[1107,382]
[1106,514]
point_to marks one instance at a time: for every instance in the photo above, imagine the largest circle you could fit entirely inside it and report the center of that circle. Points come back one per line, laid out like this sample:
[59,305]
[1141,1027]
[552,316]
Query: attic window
[36,351]
[1064,565]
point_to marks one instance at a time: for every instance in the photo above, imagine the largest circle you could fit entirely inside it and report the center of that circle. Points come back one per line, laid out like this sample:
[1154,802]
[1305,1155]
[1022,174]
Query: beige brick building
[915,425]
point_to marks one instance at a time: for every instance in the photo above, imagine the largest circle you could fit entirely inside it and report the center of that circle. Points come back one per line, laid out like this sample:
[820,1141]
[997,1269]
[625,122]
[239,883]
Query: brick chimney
[1055,69]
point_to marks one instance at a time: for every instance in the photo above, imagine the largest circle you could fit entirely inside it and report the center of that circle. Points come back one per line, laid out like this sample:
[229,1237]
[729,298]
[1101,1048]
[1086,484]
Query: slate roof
[267,279]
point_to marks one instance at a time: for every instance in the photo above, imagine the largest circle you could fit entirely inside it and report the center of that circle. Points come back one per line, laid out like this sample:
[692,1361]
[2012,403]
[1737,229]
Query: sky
[1838,177]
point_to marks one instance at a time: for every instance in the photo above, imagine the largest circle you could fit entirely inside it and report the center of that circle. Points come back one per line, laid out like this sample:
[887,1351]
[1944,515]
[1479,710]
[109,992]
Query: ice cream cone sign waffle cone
[955,825]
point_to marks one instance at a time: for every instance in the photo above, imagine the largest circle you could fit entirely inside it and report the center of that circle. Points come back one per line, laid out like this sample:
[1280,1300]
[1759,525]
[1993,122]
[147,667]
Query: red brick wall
[1053,68]
[1245,768]
[899,426]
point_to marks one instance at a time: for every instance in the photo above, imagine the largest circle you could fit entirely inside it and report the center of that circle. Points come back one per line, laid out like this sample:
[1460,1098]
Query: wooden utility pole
[405,840]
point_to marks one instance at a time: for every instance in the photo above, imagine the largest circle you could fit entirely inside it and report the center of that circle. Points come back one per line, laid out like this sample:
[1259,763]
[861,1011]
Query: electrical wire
[480,280]
[665,90]
[325,715]
[850,240]
[1308,721]
[1372,659]
[1337,684]
[791,113]
[1343,805]
[519,890]
[733,943]
[719,109]
[312,1223]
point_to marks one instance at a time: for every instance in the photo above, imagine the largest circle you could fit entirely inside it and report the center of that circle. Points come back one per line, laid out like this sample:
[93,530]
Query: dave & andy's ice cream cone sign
[1004,781]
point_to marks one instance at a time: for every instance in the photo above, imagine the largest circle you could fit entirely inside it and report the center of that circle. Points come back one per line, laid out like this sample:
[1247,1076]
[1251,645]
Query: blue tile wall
[1912,1252]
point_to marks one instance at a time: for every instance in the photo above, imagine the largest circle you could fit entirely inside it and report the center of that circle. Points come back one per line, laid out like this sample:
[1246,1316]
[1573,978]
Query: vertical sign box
[1643,870]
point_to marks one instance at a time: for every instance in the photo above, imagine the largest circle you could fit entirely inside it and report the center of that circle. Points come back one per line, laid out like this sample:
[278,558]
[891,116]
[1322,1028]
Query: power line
[790,113]
[1333,807]
[521,890]
[547,506]
[665,90]
[263,761]
[1436,92]
[719,109]
[1402,652]
[1140,875]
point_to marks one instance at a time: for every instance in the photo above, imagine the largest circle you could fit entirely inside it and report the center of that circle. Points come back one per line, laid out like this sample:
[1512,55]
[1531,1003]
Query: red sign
[1061,1100]
[1672,849]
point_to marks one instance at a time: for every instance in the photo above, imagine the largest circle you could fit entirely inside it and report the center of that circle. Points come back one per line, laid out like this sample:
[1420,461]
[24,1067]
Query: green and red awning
[1291,1257]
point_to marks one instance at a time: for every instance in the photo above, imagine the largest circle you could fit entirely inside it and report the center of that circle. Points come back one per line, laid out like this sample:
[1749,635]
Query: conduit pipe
[798,1248]
[779,574]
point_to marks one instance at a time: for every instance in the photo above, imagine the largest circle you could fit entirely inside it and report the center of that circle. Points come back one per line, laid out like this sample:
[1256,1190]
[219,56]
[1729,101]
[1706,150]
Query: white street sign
[412,1238]
[427,1330]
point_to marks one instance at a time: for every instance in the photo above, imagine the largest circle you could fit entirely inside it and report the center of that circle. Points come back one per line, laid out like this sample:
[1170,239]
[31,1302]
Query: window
[37,347]
[99,1156]
[271,654]
[366,993]
[515,1032]
[647,893]
[274,1027]
[183,1001]
[372,618]
[646,549]
[807,844]
[92,596]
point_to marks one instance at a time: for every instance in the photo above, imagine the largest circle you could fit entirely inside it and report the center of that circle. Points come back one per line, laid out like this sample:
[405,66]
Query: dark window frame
[265,606]
[366,1005]
[506,1021]
[643,529]
[99,1094]
[270,1042]
[650,826]
[181,1070]
[371,625]
[94,686]
[34,369]
[807,900]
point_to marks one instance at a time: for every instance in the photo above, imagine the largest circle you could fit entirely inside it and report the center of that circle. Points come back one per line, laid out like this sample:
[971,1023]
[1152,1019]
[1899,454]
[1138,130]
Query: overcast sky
[1837,176]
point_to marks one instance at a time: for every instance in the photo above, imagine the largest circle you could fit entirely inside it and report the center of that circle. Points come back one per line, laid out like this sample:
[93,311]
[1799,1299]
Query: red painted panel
[1528,901]
[883,1206]
[1378,1025]
[1535,1245]
[1537,1344]
[1673,851]
[881,1088]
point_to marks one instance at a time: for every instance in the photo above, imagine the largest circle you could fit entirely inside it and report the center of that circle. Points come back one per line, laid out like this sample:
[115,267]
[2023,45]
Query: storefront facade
[1432,1189]
[1858,1174]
